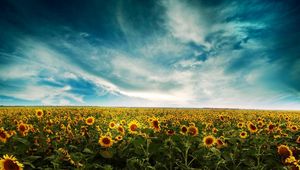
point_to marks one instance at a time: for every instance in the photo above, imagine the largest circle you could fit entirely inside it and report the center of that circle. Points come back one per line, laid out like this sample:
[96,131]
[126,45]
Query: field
[148,138]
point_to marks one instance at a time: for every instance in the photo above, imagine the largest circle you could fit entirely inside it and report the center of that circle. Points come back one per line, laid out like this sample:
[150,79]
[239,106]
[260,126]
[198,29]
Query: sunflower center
[209,141]
[90,120]
[106,141]
[10,165]
[22,128]
[183,129]
[252,127]
[133,127]
[120,129]
[192,131]
[219,142]
[171,131]
[285,152]
[2,134]
[155,123]
[222,118]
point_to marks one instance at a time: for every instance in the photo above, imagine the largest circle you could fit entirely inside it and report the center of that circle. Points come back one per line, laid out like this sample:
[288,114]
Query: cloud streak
[166,53]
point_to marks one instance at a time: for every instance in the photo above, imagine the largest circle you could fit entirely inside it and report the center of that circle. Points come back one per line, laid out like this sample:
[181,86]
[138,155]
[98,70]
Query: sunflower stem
[186,155]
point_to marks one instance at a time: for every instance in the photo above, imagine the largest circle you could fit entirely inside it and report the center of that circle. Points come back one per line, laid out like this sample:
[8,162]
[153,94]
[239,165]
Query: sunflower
[271,127]
[11,133]
[121,130]
[214,130]
[243,135]
[220,143]
[290,160]
[3,135]
[284,151]
[170,132]
[298,140]
[105,141]
[23,129]
[155,125]
[240,125]
[90,120]
[133,127]
[112,125]
[50,122]
[39,113]
[192,130]
[260,123]
[295,167]
[252,128]
[123,122]
[192,124]
[208,141]
[183,129]
[10,163]
[294,128]
[119,138]
[150,119]
[287,118]
[221,117]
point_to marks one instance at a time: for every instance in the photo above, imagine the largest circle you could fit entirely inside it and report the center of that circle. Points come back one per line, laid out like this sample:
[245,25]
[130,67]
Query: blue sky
[164,53]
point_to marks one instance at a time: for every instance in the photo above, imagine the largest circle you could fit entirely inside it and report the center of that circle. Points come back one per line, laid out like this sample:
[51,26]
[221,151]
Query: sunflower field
[148,138]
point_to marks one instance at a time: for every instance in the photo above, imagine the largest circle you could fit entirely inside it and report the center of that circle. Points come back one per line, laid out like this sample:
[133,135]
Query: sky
[151,53]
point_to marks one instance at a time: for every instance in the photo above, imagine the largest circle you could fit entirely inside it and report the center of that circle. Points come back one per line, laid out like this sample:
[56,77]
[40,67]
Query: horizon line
[149,107]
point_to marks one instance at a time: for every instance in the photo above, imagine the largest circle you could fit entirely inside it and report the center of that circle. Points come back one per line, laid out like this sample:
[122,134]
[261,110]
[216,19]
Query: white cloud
[69,75]
[198,84]
[18,70]
[64,102]
[187,82]
[185,22]
[48,95]
[130,68]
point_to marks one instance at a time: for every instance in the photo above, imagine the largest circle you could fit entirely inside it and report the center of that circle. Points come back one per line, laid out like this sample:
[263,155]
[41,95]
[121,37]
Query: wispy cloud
[181,53]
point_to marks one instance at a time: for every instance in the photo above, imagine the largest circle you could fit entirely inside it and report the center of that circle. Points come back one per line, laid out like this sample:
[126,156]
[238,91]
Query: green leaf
[87,150]
[107,167]
[73,147]
[55,164]
[32,158]
[95,165]
[29,164]
[134,163]
[106,154]
[52,157]
[138,141]
[22,140]
[226,156]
